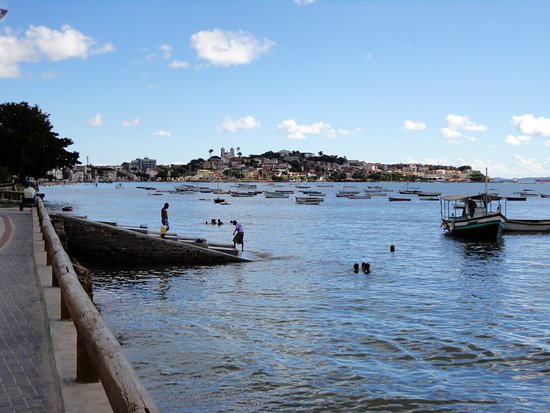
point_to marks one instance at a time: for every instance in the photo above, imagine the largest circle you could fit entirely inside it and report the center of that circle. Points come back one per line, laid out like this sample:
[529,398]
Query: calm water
[439,325]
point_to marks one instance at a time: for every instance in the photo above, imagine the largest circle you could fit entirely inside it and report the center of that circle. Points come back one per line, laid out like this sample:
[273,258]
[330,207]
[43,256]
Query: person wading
[238,235]
[164,220]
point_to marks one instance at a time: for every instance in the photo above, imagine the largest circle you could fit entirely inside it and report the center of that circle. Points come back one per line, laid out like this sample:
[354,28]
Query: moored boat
[527,225]
[477,220]
[398,199]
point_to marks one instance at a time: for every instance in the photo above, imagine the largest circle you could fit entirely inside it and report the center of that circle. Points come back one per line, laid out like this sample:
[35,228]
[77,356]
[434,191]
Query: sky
[446,82]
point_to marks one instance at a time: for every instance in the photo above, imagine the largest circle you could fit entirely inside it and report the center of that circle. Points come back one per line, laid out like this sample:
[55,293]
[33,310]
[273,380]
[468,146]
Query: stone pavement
[28,381]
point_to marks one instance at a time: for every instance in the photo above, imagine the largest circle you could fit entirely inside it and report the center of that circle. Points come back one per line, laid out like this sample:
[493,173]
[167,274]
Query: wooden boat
[409,191]
[347,191]
[269,194]
[309,200]
[67,208]
[429,198]
[357,196]
[429,194]
[527,225]
[544,195]
[396,199]
[219,200]
[477,220]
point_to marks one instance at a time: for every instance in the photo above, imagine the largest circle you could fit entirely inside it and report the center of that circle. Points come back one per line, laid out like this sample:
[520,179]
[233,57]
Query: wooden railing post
[85,370]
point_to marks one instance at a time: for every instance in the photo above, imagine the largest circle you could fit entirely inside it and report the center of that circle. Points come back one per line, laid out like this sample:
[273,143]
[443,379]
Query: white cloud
[225,48]
[162,133]
[178,64]
[347,132]
[232,125]
[456,123]
[96,120]
[463,122]
[532,126]
[518,167]
[517,140]
[166,51]
[133,122]
[449,133]
[41,42]
[304,2]
[413,125]
[335,133]
[295,131]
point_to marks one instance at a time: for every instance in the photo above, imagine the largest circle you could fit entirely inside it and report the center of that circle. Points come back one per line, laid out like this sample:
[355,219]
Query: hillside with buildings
[283,165]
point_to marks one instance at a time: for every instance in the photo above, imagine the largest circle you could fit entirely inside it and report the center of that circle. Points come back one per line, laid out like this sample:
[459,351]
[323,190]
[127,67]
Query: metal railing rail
[99,355]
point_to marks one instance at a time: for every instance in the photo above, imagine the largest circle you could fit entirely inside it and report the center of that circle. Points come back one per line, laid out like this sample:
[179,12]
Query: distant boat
[544,195]
[409,191]
[219,200]
[67,208]
[516,198]
[309,200]
[119,186]
[347,191]
[270,194]
[396,199]
[429,194]
[357,196]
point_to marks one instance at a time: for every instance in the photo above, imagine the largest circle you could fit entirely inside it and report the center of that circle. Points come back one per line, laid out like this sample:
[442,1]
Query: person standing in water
[238,237]
[164,219]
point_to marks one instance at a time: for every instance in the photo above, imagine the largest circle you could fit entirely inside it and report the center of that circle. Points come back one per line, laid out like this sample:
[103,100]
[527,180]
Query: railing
[7,194]
[99,355]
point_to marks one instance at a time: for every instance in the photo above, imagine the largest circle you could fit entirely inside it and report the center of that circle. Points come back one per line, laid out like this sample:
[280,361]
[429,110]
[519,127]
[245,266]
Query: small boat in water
[409,191]
[219,200]
[472,217]
[397,199]
[527,225]
[309,200]
[272,194]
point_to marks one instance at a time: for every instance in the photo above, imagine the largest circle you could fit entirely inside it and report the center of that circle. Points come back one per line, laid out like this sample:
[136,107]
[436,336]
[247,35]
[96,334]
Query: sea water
[438,325]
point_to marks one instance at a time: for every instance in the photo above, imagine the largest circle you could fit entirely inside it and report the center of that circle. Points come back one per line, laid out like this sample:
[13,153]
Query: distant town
[284,165]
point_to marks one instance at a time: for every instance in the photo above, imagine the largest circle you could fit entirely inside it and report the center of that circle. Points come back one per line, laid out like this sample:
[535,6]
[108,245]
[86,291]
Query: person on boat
[365,267]
[238,235]
[164,218]
[471,207]
[356,268]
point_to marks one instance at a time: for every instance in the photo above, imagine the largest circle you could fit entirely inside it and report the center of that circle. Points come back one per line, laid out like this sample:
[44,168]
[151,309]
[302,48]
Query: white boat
[527,225]
[472,217]
[357,196]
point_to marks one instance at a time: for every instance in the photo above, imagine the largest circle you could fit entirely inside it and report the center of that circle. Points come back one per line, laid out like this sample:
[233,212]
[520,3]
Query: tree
[210,151]
[28,144]
[477,176]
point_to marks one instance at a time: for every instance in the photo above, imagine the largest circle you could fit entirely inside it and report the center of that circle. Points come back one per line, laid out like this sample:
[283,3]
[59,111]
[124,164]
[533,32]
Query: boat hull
[527,225]
[487,227]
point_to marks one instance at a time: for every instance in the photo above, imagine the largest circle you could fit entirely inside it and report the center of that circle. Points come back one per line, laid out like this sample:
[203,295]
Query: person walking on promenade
[238,235]
[164,220]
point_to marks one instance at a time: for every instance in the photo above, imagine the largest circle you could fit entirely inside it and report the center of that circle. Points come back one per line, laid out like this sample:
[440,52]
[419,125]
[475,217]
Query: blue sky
[442,82]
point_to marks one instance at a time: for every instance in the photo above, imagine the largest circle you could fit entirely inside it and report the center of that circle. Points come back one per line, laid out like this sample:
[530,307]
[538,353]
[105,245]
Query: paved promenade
[27,380]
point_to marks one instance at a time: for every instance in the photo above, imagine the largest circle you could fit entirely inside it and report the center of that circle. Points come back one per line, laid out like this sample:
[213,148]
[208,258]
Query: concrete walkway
[28,381]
